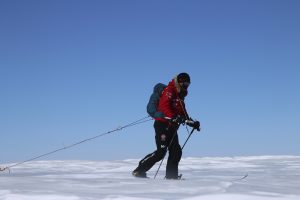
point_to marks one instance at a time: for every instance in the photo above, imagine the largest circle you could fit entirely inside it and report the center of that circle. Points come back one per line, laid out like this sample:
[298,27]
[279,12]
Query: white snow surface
[205,178]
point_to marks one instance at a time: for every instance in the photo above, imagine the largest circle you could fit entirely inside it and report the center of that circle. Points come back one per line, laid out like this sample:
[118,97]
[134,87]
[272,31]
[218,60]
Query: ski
[242,178]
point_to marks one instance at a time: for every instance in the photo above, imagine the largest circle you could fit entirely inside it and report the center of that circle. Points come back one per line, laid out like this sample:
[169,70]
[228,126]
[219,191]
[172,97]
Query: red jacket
[170,103]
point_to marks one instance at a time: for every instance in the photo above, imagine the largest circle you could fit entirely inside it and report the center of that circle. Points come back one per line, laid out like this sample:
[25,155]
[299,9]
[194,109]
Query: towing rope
[140,121]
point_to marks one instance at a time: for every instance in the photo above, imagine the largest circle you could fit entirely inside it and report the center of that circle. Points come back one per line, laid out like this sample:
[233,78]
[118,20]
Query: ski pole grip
[189,122]
[194,124]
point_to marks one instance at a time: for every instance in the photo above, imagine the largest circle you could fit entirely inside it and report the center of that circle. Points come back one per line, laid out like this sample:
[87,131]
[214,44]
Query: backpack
[154,100]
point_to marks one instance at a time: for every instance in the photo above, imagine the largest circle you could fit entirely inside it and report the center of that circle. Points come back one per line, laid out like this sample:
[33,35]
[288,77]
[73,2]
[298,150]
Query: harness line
[140,121]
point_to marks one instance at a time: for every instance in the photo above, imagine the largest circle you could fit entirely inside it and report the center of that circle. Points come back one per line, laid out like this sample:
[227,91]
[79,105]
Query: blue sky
[70,70]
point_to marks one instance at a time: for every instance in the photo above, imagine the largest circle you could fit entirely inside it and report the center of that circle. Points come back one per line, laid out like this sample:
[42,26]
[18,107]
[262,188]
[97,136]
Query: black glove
[196,125]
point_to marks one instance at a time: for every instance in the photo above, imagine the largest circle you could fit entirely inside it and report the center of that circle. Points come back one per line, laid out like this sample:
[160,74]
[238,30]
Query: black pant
[166,138]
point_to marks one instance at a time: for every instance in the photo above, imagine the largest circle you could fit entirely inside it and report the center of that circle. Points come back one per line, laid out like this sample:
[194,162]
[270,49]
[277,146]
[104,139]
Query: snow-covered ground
[206,178]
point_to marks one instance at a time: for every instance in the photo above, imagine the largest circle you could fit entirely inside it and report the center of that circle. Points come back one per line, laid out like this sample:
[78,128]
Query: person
[170,113]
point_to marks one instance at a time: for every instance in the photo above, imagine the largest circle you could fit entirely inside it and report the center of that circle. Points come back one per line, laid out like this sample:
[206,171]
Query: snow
[205,178]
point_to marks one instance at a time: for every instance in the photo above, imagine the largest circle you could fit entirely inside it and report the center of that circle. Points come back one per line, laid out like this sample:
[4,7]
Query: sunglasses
[185,84]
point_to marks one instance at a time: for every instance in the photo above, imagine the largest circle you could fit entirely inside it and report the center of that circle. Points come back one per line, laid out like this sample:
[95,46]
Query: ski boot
[138,174]
[178,177]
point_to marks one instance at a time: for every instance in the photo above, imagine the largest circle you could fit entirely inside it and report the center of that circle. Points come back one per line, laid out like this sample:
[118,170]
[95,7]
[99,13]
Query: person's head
[183,80]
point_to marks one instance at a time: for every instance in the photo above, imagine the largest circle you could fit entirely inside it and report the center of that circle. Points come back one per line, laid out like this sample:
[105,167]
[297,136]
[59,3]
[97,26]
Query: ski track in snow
[209,178]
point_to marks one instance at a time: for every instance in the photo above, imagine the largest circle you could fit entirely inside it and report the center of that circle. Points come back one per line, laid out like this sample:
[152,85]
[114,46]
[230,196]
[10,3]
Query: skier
[169,115]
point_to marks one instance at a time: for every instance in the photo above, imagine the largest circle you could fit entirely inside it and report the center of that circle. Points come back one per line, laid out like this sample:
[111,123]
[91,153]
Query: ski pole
[189,122]
[187,138]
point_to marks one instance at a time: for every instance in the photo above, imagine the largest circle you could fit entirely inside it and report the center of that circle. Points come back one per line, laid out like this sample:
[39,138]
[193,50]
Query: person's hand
[196,125]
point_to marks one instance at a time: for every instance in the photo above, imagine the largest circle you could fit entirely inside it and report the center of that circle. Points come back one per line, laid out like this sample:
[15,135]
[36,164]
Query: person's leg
[173,159]
[161,143]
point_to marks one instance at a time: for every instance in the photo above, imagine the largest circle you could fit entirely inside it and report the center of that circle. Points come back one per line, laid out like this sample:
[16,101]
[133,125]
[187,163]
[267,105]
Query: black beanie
[183,77]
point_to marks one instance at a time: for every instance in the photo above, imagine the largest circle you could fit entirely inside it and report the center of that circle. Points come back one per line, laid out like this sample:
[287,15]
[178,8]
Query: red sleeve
[165,103]
[183,111]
